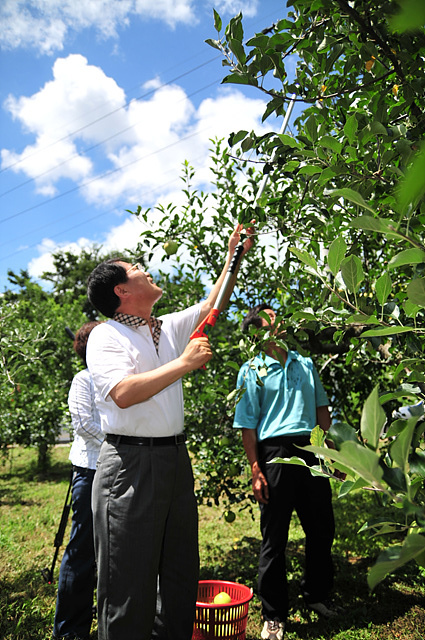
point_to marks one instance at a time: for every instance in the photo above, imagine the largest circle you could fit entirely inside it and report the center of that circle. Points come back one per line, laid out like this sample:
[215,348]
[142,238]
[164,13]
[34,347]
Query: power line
[94,146]
[103,175]
[107,115]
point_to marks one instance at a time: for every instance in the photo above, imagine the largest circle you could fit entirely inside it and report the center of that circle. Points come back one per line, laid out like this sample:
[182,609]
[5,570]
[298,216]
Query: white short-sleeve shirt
[115,351]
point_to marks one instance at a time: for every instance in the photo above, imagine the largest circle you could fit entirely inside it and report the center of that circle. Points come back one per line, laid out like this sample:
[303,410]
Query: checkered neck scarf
[136,321]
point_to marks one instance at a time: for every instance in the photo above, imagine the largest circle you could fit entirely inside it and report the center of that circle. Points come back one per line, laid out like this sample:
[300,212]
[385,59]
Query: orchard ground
[30,510]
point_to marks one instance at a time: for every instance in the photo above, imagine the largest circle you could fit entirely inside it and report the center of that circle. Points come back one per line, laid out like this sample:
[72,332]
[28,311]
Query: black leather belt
[113,438]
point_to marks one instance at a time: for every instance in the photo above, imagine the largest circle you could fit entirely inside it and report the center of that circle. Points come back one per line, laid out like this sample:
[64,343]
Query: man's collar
[137,321]
[129,320]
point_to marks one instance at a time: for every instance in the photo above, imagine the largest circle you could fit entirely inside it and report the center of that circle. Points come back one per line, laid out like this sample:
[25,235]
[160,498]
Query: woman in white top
[74,605]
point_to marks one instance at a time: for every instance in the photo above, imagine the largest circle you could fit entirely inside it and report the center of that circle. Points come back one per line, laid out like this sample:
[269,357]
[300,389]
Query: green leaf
[385,331]
[416,292]
[410,17]
[237,78]
[412,187]
[373,419]
[217,21]
[352,272]
[317,437]
[315,471]
[305,257]
[367,223]
[330,143]
[236,47]
[352,196]
[247,144]
[378,128]
[391,559]
[383,288]
[400,447]
[350,128]
[234,138]
[289,141]
[361,460]
[311,128]
[349,485]
[309,170]
[408,256]
[215,44]
[359,318]
[341,432]
[336,254]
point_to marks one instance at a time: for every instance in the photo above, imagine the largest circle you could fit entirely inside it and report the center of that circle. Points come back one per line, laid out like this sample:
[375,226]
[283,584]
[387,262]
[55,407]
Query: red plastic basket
[222,621]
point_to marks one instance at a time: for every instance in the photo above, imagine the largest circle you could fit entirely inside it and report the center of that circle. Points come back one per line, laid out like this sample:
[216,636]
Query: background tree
[37,355]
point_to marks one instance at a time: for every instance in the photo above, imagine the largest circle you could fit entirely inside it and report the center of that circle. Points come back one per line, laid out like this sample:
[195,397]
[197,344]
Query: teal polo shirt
[285,402]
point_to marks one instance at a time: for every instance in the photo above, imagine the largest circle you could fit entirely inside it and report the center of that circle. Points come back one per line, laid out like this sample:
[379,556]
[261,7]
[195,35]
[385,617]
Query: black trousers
[146,530]
[292,487]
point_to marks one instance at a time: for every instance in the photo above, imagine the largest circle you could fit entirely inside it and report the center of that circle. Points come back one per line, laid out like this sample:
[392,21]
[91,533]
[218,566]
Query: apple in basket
[222,598]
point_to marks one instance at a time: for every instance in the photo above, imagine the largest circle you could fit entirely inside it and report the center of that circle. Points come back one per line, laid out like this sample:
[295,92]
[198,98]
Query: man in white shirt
[145,514]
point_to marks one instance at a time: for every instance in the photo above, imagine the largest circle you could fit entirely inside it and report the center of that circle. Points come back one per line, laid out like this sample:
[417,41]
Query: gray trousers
[145,528]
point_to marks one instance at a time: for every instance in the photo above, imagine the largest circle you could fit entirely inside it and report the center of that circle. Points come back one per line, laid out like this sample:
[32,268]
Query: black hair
[101,283]
[81,337]
[252,317]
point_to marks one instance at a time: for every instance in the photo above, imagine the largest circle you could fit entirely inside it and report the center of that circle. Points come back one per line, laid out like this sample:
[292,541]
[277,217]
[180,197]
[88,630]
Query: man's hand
[197,353]
[235,238]
[259,485]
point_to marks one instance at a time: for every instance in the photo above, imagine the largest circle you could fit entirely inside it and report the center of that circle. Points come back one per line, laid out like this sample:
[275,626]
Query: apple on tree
[170,247]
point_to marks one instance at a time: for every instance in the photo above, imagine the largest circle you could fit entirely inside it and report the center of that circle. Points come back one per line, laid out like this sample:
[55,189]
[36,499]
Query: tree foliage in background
[38,361]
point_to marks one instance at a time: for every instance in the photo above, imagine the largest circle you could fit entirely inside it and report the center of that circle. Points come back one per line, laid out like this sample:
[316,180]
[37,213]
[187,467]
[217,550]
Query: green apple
[224,441]
[229,516]
[170,247]
[222,598]
[356,366]
[233,470]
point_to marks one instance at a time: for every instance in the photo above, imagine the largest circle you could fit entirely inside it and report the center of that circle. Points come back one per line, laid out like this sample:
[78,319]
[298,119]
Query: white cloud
[45,24]
[44,262]
[143,144]
[57,115]
[248,7]
[114,151]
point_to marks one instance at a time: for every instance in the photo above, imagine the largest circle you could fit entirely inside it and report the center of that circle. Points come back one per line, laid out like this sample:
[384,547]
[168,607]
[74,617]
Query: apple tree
[350,211]
[340,248]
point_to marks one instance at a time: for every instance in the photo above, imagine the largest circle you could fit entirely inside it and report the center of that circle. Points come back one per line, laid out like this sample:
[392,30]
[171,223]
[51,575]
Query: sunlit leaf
[408,256]
[352,196]
[394,557]
[386,331]
[373,419]
[383,287]
[416,292]
[352,272]
[336,254]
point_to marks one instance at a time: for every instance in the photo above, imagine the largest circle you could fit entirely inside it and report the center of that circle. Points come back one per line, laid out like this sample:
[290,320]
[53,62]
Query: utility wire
[110,113]
[94,146]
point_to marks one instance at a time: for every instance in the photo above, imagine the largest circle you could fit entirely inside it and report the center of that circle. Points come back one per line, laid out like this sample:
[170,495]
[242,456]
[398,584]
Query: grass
[30,510]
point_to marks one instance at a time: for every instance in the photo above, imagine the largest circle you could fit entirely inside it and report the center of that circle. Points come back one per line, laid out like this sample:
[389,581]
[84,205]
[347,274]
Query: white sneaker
[273,630]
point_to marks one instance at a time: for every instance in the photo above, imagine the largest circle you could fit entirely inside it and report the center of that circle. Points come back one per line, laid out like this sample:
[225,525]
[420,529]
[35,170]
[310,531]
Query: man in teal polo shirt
[283,401]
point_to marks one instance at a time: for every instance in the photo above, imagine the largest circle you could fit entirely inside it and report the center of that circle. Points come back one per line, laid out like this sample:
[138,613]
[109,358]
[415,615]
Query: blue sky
[101,103]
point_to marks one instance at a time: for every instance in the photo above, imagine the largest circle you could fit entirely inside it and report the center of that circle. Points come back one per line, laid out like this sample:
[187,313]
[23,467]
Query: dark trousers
[74,604]
[146,530]
[292,488]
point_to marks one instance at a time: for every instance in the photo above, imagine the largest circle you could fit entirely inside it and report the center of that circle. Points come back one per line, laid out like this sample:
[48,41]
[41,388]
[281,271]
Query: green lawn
[30,510]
